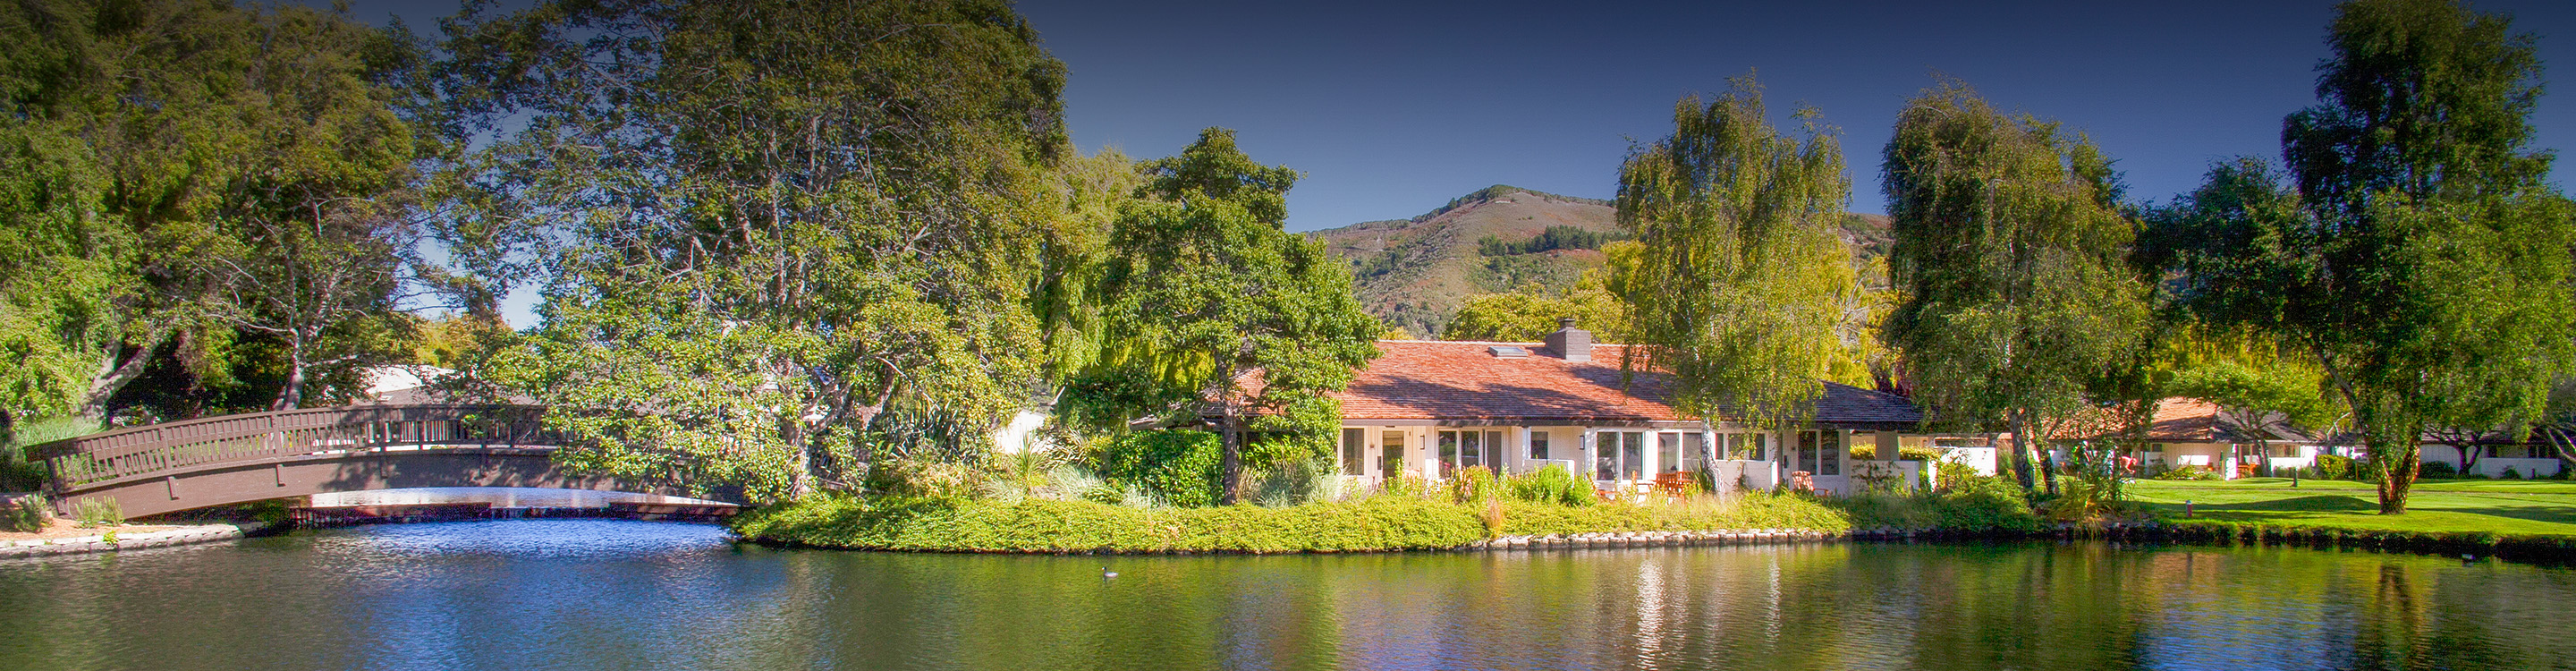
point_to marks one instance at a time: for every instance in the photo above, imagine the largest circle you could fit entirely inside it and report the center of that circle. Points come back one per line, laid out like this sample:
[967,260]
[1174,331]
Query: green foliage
[1556,237]
[1289,483]
[1529,314]
[2438,469]
[2332,467]
[172,171]
[897,523]
[1988,504]
[27,514]
[1203,289]
[1742,290]
[1180,468]
[762,226]
[1552,484]
[99,512]
[1870,453]
[1396,520]
[1474,485]
[2188,472]
[2010,251]
[2398,250]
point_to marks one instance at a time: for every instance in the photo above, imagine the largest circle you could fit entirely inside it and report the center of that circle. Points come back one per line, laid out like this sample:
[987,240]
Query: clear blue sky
[1392,108]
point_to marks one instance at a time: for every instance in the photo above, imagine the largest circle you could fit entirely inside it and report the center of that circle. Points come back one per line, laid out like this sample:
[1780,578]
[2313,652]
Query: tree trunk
[800,462]
[2398,466]
[293,393]
[113,375]
[1230,467]
[2023,458]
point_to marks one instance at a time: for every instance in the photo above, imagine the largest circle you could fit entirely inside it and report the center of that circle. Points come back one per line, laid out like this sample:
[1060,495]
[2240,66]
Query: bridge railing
[285,434]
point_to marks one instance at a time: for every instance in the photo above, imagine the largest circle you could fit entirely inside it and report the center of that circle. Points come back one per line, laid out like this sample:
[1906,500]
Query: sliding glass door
[1618,455]
[1468,448]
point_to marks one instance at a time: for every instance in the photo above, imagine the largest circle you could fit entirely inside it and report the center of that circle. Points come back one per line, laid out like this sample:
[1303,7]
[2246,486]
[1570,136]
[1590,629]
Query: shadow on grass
[2535,513]
[2322,503]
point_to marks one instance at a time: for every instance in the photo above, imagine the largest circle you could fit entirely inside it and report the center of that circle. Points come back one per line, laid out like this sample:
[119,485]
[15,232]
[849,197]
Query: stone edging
[191,535]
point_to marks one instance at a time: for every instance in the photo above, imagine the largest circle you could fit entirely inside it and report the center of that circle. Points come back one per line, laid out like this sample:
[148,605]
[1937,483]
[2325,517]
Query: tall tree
[2414,251]
[1210,302]
[760,226]
[2010,249]
[147,145]
[1741,284]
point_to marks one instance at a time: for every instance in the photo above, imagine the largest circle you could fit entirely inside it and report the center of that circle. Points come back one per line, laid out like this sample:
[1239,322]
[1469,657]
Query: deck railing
[200,444]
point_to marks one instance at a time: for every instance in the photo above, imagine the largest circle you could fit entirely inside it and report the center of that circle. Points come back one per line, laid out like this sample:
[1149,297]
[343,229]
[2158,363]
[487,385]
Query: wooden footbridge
[165,468]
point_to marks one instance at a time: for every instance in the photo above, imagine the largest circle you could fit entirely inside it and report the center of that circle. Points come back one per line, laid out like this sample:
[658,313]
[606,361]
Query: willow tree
[1209,303]
[2413,250]
[2010,253]
[1739,288]
[761,228]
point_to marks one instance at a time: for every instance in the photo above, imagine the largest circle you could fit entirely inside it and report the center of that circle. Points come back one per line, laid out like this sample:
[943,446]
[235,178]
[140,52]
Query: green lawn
[2495,506]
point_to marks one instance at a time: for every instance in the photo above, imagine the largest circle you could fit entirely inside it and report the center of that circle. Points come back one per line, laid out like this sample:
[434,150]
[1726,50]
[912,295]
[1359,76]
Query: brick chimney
[1572,343]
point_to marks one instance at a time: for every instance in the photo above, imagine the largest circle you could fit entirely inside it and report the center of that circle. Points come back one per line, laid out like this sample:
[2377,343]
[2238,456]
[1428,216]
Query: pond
[600,594]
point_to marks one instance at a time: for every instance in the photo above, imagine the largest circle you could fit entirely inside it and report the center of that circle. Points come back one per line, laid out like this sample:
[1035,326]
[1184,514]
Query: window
[1746,446]
[1460,450]
[1632,453]
[1806,453]
[1354,451]
[1694,448]
[1605,455]
[1391,455]
[1832,453]
[1448,454]
[1538,445]
[1668,452]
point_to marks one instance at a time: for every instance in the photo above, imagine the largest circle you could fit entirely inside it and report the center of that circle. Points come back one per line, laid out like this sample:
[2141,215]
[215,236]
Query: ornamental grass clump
[27,514]
[1552,484]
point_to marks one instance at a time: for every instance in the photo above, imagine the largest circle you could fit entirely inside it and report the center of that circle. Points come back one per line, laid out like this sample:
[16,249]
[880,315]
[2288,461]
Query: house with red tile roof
[2193,432]
[1432,408]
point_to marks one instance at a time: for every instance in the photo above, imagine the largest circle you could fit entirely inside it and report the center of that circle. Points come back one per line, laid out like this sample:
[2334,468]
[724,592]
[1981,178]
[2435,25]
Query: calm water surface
[593,594]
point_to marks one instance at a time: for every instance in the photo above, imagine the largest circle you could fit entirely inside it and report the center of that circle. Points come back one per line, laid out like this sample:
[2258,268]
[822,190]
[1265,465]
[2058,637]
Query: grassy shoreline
[1374,524]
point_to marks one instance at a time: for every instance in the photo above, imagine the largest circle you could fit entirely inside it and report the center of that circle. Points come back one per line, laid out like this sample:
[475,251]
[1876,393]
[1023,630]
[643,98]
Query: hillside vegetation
[1415,273]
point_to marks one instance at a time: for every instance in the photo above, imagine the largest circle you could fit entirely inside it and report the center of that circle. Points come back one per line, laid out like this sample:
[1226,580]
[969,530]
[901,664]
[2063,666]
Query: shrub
[99,512]
[1474,484]
[905,523]
[1178,467]
[1549,485]
[2331,467]
[1922,454]
[2438,469]
[28,514]
[1954,475]
[1984,504]
[1404,485]
[2188,472]
[2511,474]
[1292,483]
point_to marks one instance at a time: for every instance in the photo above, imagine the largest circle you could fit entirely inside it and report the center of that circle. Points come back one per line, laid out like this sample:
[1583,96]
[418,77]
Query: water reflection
[585,594]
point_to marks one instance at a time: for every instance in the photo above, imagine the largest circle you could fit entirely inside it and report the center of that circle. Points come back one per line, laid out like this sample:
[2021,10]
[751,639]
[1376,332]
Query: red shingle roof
[1464,381]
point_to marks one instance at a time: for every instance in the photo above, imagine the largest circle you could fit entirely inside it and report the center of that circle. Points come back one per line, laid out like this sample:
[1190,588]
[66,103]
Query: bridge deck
[164,468]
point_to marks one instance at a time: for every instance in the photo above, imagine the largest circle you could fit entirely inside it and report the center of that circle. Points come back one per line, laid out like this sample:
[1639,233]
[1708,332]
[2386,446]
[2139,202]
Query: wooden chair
[1673,484]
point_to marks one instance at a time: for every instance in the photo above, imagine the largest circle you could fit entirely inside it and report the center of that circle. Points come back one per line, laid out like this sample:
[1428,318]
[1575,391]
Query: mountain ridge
[1414,273]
